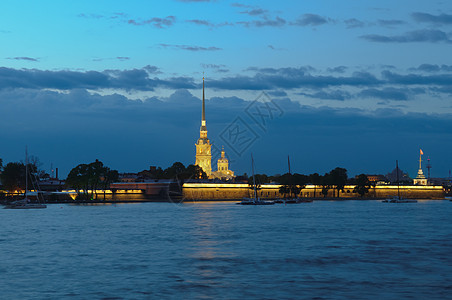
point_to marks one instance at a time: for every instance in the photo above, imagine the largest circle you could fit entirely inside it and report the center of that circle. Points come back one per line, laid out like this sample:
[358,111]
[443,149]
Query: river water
[320,250]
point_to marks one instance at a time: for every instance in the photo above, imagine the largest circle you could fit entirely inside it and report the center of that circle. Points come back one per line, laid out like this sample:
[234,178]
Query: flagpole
[420,159]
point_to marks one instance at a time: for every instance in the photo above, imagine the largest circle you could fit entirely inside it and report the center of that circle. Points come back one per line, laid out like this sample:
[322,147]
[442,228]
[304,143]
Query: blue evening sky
[356,84]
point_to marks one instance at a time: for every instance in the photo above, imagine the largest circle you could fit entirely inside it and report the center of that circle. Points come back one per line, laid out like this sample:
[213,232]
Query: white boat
[255,200]
[25,203]
[398,199]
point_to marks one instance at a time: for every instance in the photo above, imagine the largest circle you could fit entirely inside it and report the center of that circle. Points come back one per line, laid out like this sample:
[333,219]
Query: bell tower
[203,146]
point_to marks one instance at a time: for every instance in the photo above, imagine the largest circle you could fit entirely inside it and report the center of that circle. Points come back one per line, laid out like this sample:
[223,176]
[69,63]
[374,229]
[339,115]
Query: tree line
[87,179]
[336,179]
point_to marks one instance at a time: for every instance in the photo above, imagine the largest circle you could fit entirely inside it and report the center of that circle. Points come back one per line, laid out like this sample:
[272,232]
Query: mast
[26,171]
[398,184]
[254,180]
[288,162]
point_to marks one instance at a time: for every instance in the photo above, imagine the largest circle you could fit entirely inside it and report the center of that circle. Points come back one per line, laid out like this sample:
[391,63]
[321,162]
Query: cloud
[23,58]
[329,95]
[354,23]
[190,48]
[425,35]
[291,78]
[240,5]
[135,79]
[310,20]
[390,23]
[277,93]
[155,22]
[442,19]
[120,58]
[265,22]
[200,22]
[433,68]
[385,94]
[339,69]
[216,68]
[255,12]
[415,79]
[90,16]
[152,69]
[275,48]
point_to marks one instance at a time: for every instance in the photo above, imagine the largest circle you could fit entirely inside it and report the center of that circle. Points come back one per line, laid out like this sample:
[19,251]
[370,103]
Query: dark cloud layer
[146,79]
[385,94]
[136,79]
[430,68]
[423,35]
[79,127]
[434,19]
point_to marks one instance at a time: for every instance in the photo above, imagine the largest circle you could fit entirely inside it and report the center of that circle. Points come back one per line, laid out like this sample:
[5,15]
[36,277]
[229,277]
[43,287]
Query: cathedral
[204,150]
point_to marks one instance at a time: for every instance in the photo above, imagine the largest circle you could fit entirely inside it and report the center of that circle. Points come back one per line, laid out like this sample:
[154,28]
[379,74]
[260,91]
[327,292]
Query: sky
[354,84]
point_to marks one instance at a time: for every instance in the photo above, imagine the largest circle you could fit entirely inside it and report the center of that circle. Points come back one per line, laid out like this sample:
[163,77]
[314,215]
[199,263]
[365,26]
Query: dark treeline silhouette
[87,179]
[177,170]
[292,184]
[12,175]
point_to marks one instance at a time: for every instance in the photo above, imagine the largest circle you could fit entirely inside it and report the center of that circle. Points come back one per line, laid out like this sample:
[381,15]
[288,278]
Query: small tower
[203,146]
[223,163]
[420,178]
[223,171]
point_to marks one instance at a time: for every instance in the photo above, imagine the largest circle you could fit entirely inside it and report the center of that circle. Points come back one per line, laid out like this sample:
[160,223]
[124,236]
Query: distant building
[128,177]
[223,171]
[403,177]
[376,178]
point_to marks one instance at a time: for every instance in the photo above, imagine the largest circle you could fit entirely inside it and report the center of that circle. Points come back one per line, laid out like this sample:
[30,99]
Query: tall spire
[203,104]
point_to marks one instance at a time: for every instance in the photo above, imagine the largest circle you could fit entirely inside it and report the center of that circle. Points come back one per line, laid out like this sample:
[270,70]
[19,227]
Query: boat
[398,199]
[256,200]
[26,202]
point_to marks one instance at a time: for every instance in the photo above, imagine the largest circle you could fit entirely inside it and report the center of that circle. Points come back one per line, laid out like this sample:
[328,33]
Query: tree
[362,185]
[13,176]
[284,190]
[176,169]
[292,184]
[316,180]
[1,164]
[326,183]
[88,178]
[193,171]
[339,179]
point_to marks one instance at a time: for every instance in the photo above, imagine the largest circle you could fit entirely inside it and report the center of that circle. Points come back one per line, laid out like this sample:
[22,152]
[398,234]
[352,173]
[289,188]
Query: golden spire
[203,102]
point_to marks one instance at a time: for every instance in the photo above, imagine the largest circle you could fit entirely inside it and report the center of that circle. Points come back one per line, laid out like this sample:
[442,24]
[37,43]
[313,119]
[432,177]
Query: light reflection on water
[325,249]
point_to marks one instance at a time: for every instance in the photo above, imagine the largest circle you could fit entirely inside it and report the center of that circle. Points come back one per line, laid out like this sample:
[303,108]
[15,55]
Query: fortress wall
[209,191]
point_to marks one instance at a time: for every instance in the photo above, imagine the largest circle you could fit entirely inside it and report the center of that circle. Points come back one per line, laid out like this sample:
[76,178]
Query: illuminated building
[203,146]
[223,171]
[420,178]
